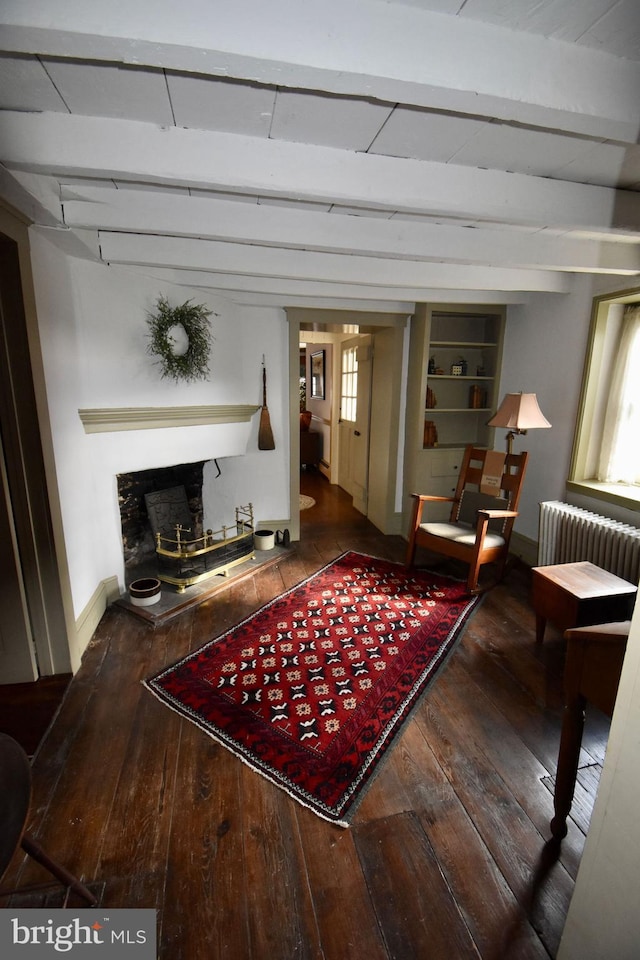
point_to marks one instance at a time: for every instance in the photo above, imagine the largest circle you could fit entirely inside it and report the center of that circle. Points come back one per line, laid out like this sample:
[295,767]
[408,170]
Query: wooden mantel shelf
[110,419]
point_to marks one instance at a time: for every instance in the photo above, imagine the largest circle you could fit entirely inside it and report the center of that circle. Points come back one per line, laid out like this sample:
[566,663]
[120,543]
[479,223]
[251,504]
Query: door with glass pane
[355,407]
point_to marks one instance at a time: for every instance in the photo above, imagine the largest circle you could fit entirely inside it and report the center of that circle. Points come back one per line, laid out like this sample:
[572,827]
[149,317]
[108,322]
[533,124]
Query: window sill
[623,495]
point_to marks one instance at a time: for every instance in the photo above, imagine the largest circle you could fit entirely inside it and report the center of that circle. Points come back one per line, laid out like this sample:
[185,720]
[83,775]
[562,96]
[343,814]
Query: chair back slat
[470,478]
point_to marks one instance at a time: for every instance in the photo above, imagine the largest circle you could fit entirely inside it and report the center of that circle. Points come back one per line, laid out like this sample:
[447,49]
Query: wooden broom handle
[264,386]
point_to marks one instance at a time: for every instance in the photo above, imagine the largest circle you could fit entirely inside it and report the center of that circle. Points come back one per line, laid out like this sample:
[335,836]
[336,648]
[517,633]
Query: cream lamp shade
[518,413]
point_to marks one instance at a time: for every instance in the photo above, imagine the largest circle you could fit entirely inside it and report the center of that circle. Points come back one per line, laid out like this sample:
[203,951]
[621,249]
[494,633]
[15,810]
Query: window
[619,460]
[606,455]
[349,384]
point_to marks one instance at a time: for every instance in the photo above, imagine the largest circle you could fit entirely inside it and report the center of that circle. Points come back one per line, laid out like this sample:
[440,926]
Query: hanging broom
[265,433]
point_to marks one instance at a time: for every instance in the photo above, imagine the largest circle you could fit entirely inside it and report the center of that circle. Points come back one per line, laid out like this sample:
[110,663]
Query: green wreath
[193,364]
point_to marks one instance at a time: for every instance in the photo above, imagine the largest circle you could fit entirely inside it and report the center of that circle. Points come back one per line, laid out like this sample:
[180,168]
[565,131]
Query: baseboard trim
[524,548]
[86,624]
[397,525]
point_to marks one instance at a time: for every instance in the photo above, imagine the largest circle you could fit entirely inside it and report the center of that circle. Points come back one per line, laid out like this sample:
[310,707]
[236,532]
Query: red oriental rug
[311,689]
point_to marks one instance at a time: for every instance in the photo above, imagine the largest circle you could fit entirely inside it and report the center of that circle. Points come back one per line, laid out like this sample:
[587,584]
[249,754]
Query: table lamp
[518,413]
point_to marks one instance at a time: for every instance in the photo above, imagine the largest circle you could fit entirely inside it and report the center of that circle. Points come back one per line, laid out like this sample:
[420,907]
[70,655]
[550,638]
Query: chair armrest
[497,514]
[419,500]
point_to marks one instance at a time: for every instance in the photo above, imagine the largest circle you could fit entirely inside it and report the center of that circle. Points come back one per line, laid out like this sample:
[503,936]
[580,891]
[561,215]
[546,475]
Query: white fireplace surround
[222,474]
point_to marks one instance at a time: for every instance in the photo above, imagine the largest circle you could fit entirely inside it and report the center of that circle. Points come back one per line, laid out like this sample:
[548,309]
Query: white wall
[544,351]
[93,328]
[260,477]
[603,920]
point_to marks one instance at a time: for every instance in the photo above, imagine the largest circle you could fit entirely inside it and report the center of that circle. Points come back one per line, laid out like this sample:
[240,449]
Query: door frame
[32,475]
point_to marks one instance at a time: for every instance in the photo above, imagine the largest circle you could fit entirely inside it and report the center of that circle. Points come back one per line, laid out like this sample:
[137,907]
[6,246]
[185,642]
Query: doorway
[375,456]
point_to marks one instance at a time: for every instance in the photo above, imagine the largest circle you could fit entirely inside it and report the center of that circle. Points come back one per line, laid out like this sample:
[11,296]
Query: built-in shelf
[112,419]
[463,353]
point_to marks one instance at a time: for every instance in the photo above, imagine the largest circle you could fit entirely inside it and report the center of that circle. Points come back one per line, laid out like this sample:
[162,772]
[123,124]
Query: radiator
[567,534]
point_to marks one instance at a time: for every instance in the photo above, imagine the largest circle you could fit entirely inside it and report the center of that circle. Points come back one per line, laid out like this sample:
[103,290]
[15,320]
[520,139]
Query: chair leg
[30,846]
[501,567]
[472,578]
[474,573]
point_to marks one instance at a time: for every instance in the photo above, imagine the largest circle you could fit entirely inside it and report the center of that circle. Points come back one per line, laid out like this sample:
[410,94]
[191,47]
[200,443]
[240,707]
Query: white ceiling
[355,152]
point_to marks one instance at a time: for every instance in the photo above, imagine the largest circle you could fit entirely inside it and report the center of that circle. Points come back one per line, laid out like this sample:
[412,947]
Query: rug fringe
[167,703]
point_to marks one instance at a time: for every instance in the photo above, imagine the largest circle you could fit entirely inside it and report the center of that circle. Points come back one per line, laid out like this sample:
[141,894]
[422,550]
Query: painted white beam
[129,150]
[215,256]
[393,52]
[38,198]
[285,291]
[147,212]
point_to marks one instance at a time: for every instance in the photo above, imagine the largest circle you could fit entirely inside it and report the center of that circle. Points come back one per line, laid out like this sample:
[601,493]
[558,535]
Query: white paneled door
[355,413]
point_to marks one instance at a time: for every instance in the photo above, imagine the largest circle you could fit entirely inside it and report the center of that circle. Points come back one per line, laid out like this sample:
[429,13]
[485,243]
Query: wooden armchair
[484,507]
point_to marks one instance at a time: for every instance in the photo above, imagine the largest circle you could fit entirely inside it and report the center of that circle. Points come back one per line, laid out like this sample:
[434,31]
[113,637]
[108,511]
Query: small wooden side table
[595,655]
[579,594]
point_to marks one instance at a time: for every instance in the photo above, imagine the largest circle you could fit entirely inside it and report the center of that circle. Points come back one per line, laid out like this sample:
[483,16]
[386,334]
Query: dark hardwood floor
[447,855]
[27,709]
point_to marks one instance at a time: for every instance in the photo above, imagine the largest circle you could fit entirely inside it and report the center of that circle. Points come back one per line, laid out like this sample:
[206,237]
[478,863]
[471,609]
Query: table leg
[541,623]
[568,759]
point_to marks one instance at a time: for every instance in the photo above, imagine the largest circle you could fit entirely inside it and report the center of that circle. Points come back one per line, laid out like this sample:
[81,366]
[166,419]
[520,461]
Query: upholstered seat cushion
[461,533]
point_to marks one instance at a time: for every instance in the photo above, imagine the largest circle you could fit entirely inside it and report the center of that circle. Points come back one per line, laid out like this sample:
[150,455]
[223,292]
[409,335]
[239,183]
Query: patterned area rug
[311,689]
[306,502]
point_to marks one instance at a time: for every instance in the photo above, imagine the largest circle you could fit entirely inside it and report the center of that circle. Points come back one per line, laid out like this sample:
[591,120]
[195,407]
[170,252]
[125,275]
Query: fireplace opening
[138,542]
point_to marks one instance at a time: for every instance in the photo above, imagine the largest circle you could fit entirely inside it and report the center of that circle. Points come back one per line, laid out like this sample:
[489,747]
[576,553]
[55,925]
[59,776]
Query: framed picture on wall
[317,375]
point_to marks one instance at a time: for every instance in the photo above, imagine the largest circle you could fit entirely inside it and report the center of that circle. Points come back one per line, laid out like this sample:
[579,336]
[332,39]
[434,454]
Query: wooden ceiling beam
[214,256]
[146,212]
[393,52]
[62,144]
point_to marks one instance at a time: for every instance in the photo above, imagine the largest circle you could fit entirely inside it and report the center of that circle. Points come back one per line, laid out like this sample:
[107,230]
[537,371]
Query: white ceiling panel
[109,90]
[601,164]
[424,135]
[611,25]
[347,122]
[520,150]
[210,104]
[547,17]
[24,85]
[630,171]
[617,31]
